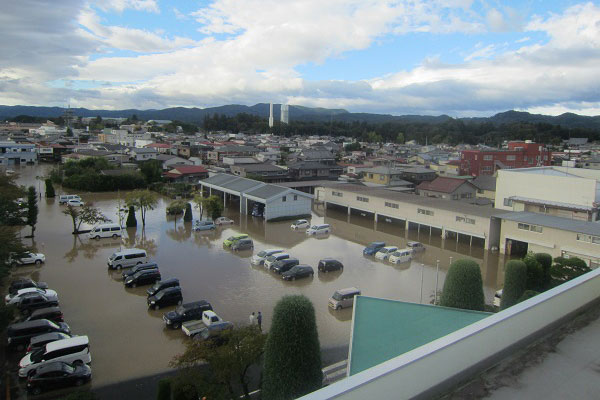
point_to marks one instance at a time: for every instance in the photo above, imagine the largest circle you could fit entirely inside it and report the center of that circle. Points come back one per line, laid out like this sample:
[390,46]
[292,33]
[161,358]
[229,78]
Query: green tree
[87,213]
[10,211]
[164,390]
[213,205]
[400,138]
[545,261]
[292,361]
[565,269]
[32,209]
[152,171]
[463,287]
[352,147]
[229,363]
[176,207]
[142,200]
[189,216]
[131,221]
[49,189]
[515,283]
[535,273]
[69,132]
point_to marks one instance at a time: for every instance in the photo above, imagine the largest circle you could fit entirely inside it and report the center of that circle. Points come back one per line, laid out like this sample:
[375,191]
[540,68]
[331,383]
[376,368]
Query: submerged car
[223,221]
[27,258]
[243,244]
[57,375]
[299,271]
[401,256]
[24,283]
[14,299]
[232,239]
[385,252]
[373,248]
[416,247]
[259,259]
[204,226]
[300,224]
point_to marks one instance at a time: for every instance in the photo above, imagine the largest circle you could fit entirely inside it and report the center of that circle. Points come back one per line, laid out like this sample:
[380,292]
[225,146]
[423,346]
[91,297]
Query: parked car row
[318,229]
[392,253]
[280,262]
[239,242]
[54,357]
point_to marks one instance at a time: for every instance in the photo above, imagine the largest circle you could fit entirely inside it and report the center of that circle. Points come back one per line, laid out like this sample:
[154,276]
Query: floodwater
[128,340]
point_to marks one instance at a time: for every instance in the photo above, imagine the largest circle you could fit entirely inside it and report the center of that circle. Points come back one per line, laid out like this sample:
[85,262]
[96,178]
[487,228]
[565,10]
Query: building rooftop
[565,224]
[267,191]
[485,182]
[442,184]
[383,329]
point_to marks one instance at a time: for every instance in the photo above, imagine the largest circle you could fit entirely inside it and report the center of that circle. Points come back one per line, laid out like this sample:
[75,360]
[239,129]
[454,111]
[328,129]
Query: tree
[352,147]
[32,208]
[292,361]
[131,221]
[69,132]
[535,273]
[87,213]
[152,171]
[10,211]
[212,204]
[164,390]
[515,283]
[463,287]
[189,216]
[176,207]
[229,363]
[49,189]
[545,261]
[565,269]
[400,138]
[142,200]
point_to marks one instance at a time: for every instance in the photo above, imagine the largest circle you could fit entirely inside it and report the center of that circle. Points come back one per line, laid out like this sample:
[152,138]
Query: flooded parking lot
[128,340]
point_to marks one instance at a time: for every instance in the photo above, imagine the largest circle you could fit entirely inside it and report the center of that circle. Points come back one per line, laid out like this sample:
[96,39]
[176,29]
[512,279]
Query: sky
[431,57]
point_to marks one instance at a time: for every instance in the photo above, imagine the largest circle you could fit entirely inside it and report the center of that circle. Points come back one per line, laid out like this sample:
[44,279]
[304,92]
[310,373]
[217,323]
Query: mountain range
[299,113]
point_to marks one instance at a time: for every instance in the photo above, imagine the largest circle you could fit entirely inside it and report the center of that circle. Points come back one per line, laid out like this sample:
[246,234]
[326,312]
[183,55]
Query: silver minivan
[64,198]
[105,230]
[343,298]
[127,258]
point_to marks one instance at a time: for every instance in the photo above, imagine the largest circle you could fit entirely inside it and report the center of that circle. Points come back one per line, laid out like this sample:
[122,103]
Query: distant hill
[300,113]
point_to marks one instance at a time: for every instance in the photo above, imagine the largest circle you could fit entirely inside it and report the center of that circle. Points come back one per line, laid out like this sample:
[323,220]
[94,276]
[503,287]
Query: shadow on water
[329,276]
[345,314]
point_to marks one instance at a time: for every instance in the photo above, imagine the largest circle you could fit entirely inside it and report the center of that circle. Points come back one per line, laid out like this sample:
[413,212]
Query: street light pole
[421,293]
[437,273]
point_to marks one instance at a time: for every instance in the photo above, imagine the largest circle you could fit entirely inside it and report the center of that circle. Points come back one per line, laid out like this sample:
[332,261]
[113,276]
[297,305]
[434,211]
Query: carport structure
[279,201]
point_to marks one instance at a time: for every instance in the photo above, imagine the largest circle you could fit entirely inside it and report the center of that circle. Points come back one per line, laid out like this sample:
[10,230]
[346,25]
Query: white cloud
[121,5]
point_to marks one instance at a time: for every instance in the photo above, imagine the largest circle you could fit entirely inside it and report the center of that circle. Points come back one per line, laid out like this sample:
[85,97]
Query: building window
[486,169]
[508,202]
[424,211]
[511,158]
[488,158]
[588,238]
[466,220]
[363,199]
[295,197]
[284,198]
[528,227]
[337,194]
[391,205]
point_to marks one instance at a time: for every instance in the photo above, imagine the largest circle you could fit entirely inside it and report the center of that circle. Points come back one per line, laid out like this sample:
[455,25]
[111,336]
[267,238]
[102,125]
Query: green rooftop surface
[384,329]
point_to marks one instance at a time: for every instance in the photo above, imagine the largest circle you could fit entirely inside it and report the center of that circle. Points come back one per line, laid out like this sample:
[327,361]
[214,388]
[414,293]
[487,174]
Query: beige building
[527,231]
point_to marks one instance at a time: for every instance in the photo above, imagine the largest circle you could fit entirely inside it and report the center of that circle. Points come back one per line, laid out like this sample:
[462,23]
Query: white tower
[270,115]
[285,114]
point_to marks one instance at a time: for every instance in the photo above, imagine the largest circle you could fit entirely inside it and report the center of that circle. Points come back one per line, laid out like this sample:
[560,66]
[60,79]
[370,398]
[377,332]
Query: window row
[528,227]
[588,238]
[424,211]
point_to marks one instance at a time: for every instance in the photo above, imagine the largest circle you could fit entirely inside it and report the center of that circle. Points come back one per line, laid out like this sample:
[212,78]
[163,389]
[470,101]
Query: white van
[401,256]
[343,298]
[318,229]
[127,258]
[105,230]
[71,350]
[273,258]
[64,198]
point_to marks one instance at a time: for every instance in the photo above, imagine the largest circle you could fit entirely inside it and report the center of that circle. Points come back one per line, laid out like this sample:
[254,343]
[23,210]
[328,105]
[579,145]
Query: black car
[186,312]
[145,277]
[23,283]
[50,313]
[329,264]
[299,271]
[39,341]
[166,297]
[19,334]
[160,285]
[243,244]
[57,375]
[140,267]
[285,265]
[34,301]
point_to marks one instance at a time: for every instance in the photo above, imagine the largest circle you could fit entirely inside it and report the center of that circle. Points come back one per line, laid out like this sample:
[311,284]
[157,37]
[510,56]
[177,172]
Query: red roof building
[518,155]
[186,173]
[447,188]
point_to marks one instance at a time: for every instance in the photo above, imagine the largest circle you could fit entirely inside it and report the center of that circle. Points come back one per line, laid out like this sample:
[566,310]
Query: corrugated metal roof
[219,179]
[565,224]
[551,203]
[241,184]
[267,191]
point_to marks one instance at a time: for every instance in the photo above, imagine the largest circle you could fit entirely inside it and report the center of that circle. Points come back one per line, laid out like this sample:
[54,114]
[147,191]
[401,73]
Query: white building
[12,153]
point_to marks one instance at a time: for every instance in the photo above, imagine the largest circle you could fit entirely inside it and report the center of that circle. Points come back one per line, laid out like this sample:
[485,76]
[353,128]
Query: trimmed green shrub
[292,359]
[535,273]
[49,189]
[188,216]
[515,283]
[545,261]
[463,287]
[527,295]
[164,390]
[131,220]
[565,269]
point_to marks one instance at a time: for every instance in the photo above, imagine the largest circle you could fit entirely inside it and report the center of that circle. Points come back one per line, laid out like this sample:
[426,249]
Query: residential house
[216,155]
[264,172]
[161,148]
[486,187]
[142,154]
[317,154]
[313,170]
[448,188]
[186,174]
[170,161]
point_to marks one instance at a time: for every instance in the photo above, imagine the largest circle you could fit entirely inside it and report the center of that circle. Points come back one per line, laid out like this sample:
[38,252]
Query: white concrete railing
[415,373]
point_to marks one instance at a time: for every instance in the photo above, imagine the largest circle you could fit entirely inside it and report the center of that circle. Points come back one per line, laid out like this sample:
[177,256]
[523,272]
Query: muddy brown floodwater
[128,340]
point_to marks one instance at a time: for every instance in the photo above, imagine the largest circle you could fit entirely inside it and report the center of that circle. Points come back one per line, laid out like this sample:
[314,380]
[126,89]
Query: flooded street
[127,340]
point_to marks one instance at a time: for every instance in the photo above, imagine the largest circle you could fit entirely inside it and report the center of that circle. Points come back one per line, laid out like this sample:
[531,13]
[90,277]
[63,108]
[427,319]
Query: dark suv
[34,301]
[19,334]
[166,297]
[139,268]
[282,266]
[160,285]
[50,313]
[329,264]
[299,271]
[145,277]
[186,312]
[19,284]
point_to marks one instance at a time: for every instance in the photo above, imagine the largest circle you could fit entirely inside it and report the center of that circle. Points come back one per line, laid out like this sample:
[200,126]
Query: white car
[27,258]
[75,203]
[318,229]
[416,247]
[401,256]
[14,299]
[300,224]
[223,221]
[385,252]
[259,259]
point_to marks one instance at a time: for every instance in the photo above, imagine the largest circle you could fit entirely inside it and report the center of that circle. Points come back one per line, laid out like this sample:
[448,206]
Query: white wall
[279,208]
[415,373]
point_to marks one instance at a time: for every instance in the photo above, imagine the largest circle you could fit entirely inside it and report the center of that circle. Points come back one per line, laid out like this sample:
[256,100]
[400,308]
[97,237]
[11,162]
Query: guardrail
[438,365]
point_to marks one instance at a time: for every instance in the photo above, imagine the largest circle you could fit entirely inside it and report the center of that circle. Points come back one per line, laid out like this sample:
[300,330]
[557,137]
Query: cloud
[121,5]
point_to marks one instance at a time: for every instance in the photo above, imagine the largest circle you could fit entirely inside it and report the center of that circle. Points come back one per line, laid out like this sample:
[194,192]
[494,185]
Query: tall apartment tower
[270,115]
[285,114]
